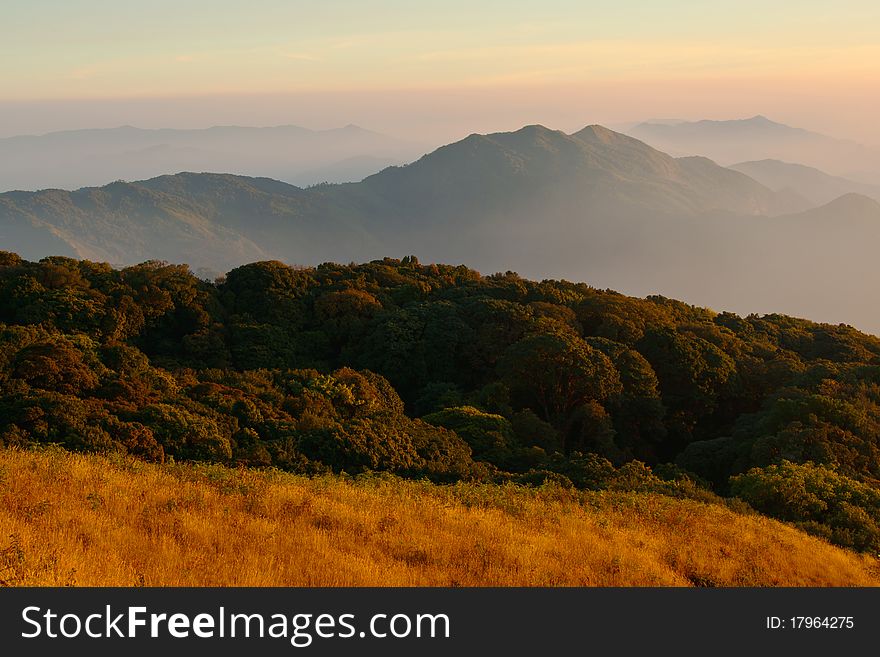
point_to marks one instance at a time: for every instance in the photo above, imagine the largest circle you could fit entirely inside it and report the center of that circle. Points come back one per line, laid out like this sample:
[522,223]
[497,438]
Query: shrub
[817,498]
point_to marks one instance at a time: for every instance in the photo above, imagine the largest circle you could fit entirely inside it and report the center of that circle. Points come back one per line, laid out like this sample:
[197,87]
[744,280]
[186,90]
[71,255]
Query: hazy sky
[437,69]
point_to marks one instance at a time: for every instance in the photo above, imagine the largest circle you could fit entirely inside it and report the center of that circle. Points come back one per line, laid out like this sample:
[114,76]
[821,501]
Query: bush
[489,435]
[817,498]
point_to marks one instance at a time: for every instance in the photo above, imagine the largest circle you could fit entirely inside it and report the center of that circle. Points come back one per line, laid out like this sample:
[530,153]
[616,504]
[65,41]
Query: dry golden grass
[68,519]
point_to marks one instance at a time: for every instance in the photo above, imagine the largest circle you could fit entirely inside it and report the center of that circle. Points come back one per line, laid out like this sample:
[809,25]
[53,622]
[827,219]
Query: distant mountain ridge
[758,138]
[79,158]
[478,183]
[816,186]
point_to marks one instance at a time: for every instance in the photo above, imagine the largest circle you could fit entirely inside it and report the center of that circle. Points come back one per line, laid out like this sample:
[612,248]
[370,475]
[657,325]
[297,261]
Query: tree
[186,435]
[556,374]
[55,365]
[490,436]
[818,499]
[693,374]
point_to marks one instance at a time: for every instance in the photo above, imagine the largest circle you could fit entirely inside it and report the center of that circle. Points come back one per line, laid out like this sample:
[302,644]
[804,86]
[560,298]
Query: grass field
[81,520]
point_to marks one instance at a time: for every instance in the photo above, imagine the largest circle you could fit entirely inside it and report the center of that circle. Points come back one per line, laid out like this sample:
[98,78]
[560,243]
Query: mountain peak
[535,128]
[534,134]
[600,133]
[534,131]
[761,121]
[598,137]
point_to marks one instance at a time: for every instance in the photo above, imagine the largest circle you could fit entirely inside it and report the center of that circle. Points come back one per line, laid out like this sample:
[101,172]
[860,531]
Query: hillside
[816,186]
[95,521]
[213,221]
[436,372]
[477,200]
[596,169]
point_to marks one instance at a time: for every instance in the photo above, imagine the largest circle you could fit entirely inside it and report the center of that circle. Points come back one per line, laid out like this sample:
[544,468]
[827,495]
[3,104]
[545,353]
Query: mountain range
[759,138]
[78,158]
[503,187]
[595,205]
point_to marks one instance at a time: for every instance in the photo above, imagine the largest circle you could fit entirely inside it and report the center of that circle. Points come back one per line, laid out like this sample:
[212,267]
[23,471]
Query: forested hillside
[436,371]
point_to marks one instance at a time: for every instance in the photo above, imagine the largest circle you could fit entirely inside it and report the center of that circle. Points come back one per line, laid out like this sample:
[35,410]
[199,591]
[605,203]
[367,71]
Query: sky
[437,70]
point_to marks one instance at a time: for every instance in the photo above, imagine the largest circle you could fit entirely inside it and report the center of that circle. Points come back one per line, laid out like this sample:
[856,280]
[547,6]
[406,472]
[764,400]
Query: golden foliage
[72,519]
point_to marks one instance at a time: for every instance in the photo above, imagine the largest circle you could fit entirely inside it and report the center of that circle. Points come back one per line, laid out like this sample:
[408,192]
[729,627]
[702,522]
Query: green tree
[556,375]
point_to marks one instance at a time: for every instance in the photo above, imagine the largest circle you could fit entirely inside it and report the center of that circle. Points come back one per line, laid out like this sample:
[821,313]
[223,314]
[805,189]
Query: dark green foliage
[564,381]
[593,472]
[532,431]
[55,366]
[695,377]
[816,498]
[186,434]
[489,436]
[712,459]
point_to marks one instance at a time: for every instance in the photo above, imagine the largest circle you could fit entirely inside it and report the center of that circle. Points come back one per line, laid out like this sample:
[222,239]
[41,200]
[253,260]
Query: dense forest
[436,371]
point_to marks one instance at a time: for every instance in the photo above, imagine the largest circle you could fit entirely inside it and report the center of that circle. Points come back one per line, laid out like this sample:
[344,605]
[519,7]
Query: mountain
[760,138]
[815,185]
[595,205]
[482,196]
[541,199]
[595,168]
[212,221]
[78,158]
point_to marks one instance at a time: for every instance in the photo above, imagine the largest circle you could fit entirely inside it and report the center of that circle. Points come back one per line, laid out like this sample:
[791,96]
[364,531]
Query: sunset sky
[437,69]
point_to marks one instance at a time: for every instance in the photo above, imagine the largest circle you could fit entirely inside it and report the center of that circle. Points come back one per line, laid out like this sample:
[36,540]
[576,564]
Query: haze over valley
[79,158]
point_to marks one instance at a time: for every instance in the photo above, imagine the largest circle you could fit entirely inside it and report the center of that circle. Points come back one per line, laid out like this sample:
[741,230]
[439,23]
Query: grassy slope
[92,520]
